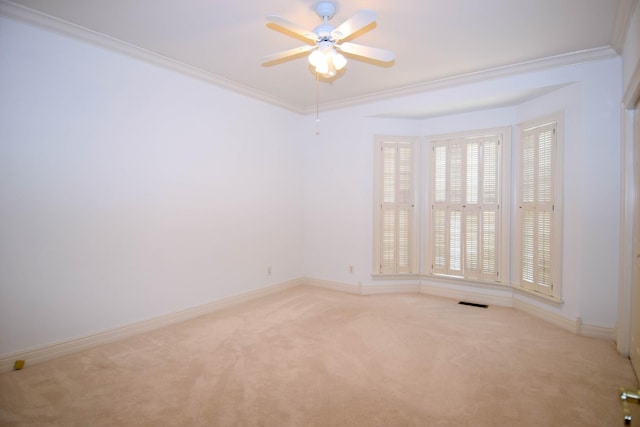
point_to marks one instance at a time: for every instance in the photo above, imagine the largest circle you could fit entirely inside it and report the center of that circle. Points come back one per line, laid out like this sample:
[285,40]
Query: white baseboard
[598,332]
[499,297]
[334,286]
[507,300]
[52,351]
[63,348]
[390,289]
[360,289]
[571,325]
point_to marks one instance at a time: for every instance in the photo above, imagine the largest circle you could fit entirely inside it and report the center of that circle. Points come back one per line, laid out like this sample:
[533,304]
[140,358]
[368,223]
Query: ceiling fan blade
[286,54]
[357,22]
[374,53]
[290,26]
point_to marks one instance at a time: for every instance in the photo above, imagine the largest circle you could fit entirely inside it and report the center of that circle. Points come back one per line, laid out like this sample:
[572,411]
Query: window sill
[395,276]
[453,280]
[450,280]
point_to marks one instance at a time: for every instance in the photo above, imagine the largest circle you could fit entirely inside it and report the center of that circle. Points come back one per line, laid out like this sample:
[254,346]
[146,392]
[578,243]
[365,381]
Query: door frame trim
[629,109]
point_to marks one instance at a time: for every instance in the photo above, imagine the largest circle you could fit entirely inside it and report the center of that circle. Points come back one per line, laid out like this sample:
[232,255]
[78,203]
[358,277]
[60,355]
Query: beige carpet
[313,357]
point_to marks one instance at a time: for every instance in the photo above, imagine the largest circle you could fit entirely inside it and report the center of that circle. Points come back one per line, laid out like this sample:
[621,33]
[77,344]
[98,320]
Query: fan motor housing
[323,31]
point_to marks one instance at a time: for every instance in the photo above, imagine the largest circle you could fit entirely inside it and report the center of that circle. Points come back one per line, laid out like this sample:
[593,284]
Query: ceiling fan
[326,42]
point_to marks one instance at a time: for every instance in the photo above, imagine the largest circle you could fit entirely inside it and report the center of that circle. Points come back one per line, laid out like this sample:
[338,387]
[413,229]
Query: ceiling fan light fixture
[331,72]
[327,61]
[322,67]
[326,57]
[339,61]
[315,58]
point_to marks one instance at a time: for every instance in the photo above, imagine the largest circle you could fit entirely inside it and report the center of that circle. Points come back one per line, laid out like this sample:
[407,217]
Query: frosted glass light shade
[327,61]
[322,67]
[339,61]
[315,58]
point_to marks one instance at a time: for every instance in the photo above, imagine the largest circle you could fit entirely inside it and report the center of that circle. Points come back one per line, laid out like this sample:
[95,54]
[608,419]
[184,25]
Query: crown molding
[25,14]
[30,16]
[587,55]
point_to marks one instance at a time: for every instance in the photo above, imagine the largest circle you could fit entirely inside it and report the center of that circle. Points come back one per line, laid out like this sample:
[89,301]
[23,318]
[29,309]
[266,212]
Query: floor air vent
[473,304]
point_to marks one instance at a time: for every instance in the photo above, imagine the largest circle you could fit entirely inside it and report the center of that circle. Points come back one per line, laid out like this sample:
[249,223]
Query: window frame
[414,267]
[555,295]
[504,202]
[509,241]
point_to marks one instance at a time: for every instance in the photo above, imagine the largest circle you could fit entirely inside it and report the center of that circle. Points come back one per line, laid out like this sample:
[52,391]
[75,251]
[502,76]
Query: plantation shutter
[440,229]
[536,206]
[489,182]
[397,206]
[465,207]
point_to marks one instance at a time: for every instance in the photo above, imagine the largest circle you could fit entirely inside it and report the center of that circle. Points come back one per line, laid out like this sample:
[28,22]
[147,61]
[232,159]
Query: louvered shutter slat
[489,243]
[455,174]
[465,184]
[490,172]
[440,174]
[544,167]
[472,242]
[544,249]
[389,174]
[455,240]
[388,240]
[528,170]
[439,240]
[527,246]
[536,207]
[404,224]
[405,190]
[396,217]
[472,171]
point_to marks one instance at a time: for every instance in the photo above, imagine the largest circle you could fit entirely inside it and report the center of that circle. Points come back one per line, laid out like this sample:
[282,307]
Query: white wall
[128,191]
[339,166]
[591,188]
[338,176]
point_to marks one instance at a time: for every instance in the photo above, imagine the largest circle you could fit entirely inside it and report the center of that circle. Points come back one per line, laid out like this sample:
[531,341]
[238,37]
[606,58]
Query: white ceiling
[434,40]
